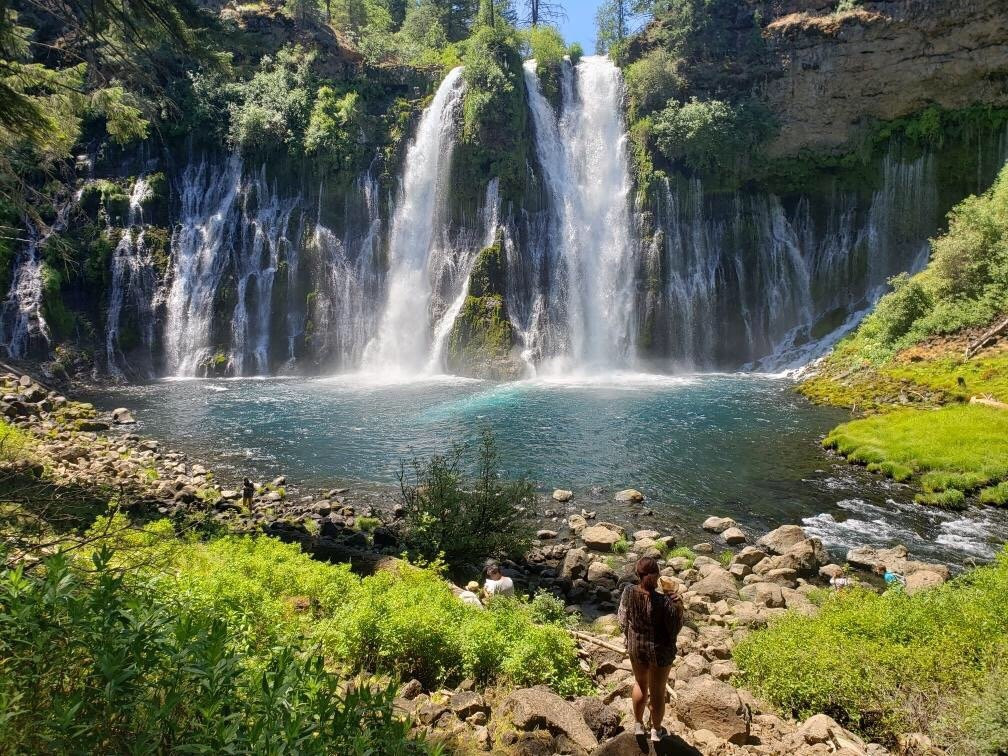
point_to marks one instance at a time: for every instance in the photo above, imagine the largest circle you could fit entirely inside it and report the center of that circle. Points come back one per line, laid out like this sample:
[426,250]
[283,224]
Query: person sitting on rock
[497,584]
[248,489]
[469,595]
[650,621]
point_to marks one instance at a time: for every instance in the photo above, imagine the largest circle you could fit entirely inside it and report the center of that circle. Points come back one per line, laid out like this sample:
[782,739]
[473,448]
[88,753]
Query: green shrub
[884,664]
[711,136]
[950,499]
[545,45]
[333,128]
[621,547]
[97,665]
[367,524]
[465,519]
[725,557]
[652,81]
[996,495]
[575,52]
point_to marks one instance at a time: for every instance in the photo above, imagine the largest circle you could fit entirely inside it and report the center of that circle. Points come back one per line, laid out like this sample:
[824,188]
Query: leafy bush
[682,552]
[886,664]
[545,45]
[652,81]
[465,519]
[575,52]
[274,106]
[404,621]
[333,128]
[622,546]
[708,136]
[95,665]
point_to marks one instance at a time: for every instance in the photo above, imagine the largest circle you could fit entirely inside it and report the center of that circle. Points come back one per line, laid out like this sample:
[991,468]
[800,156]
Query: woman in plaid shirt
[650,621]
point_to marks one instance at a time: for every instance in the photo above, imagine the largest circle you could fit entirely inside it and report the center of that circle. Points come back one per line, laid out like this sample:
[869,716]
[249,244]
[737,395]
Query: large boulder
[824,730]
[602,574]
[875,560]
[602,719]
[763,594]
[921,580]
[563,495]
[734,536]
[716,585]
[783,538]
[122,416]
[575,564]
[577,523]
[601,537]
[718,524]
[539,708]
[750,556]
[708,704]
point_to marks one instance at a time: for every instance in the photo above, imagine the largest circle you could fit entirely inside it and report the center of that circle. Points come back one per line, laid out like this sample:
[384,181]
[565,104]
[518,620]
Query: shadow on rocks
[628,744]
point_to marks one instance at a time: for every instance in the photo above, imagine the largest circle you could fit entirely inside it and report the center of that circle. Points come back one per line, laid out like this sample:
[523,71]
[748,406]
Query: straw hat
[473,586]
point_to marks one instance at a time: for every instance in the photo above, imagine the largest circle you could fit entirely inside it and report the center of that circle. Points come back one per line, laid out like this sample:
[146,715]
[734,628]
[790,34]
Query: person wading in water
[650,621]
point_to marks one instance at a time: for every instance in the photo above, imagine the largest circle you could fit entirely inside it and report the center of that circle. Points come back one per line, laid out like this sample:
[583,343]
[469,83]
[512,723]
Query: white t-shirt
[470,599]
[504,586]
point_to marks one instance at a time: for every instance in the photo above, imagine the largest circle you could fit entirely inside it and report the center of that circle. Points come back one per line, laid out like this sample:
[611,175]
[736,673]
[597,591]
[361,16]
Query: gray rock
[733,536]
[536,708]
[709,704]
[562,495]
[601,537]
[602,720]
[465,703]
[122,416]
[716,586]
[783,538]
[575,564]
[546,535]
[921,580]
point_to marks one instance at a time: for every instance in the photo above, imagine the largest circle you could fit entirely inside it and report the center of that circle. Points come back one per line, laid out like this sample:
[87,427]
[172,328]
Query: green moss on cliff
[482,336]
[495,132]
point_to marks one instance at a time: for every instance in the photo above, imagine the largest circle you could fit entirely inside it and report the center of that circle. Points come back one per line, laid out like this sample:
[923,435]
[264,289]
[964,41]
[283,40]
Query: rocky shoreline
[577,557]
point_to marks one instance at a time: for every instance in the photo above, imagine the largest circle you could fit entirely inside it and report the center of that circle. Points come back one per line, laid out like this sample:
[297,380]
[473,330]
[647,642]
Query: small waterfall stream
[402,342]
[133,283]
[22,325]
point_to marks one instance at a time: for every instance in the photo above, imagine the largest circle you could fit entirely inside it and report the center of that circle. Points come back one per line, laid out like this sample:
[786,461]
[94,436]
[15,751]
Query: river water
[744,446]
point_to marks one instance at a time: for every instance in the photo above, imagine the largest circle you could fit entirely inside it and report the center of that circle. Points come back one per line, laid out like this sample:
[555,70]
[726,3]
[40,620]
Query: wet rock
[122,416]
[563,495]
[630,495]
[783,538]
[718,524]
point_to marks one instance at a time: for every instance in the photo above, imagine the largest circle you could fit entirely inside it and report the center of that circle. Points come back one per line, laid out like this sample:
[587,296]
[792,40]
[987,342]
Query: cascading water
[22,325]
[260,244]
[343,314]
[133,283]
[207,196]
[417,238]
[585,314]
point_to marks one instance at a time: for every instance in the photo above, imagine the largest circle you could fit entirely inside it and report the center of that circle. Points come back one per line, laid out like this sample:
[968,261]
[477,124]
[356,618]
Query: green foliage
[367,524]
[961,447]
[274,106]
[888,664]
[682,552]
[545,45]
[334,130]
[621,547]
[711,136]
[575,52]
[652,81]
[94,663]
[725,557]
[462,518]
[995,495]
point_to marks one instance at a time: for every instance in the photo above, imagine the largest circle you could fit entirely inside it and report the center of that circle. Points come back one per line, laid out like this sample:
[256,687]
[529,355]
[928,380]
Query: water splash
[403,338]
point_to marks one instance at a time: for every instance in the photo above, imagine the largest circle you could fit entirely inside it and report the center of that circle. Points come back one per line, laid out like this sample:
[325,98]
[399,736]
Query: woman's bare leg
[641,673]
[657,680]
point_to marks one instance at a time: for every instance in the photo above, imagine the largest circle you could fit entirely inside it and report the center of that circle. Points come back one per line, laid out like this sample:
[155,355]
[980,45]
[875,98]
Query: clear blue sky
[580,24]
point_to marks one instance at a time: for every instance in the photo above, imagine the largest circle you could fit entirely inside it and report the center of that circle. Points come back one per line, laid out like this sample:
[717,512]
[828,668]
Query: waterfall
[133,282]
[343,314]
[200,254]
[589,301]
[22,325]
[261,242]
[402,342]
[749,281]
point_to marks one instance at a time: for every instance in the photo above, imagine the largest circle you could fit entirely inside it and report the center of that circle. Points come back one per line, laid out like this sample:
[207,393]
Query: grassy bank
[889,664]
[906,367]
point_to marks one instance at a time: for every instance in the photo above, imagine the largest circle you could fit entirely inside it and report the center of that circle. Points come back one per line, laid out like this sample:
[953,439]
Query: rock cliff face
[882,61]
